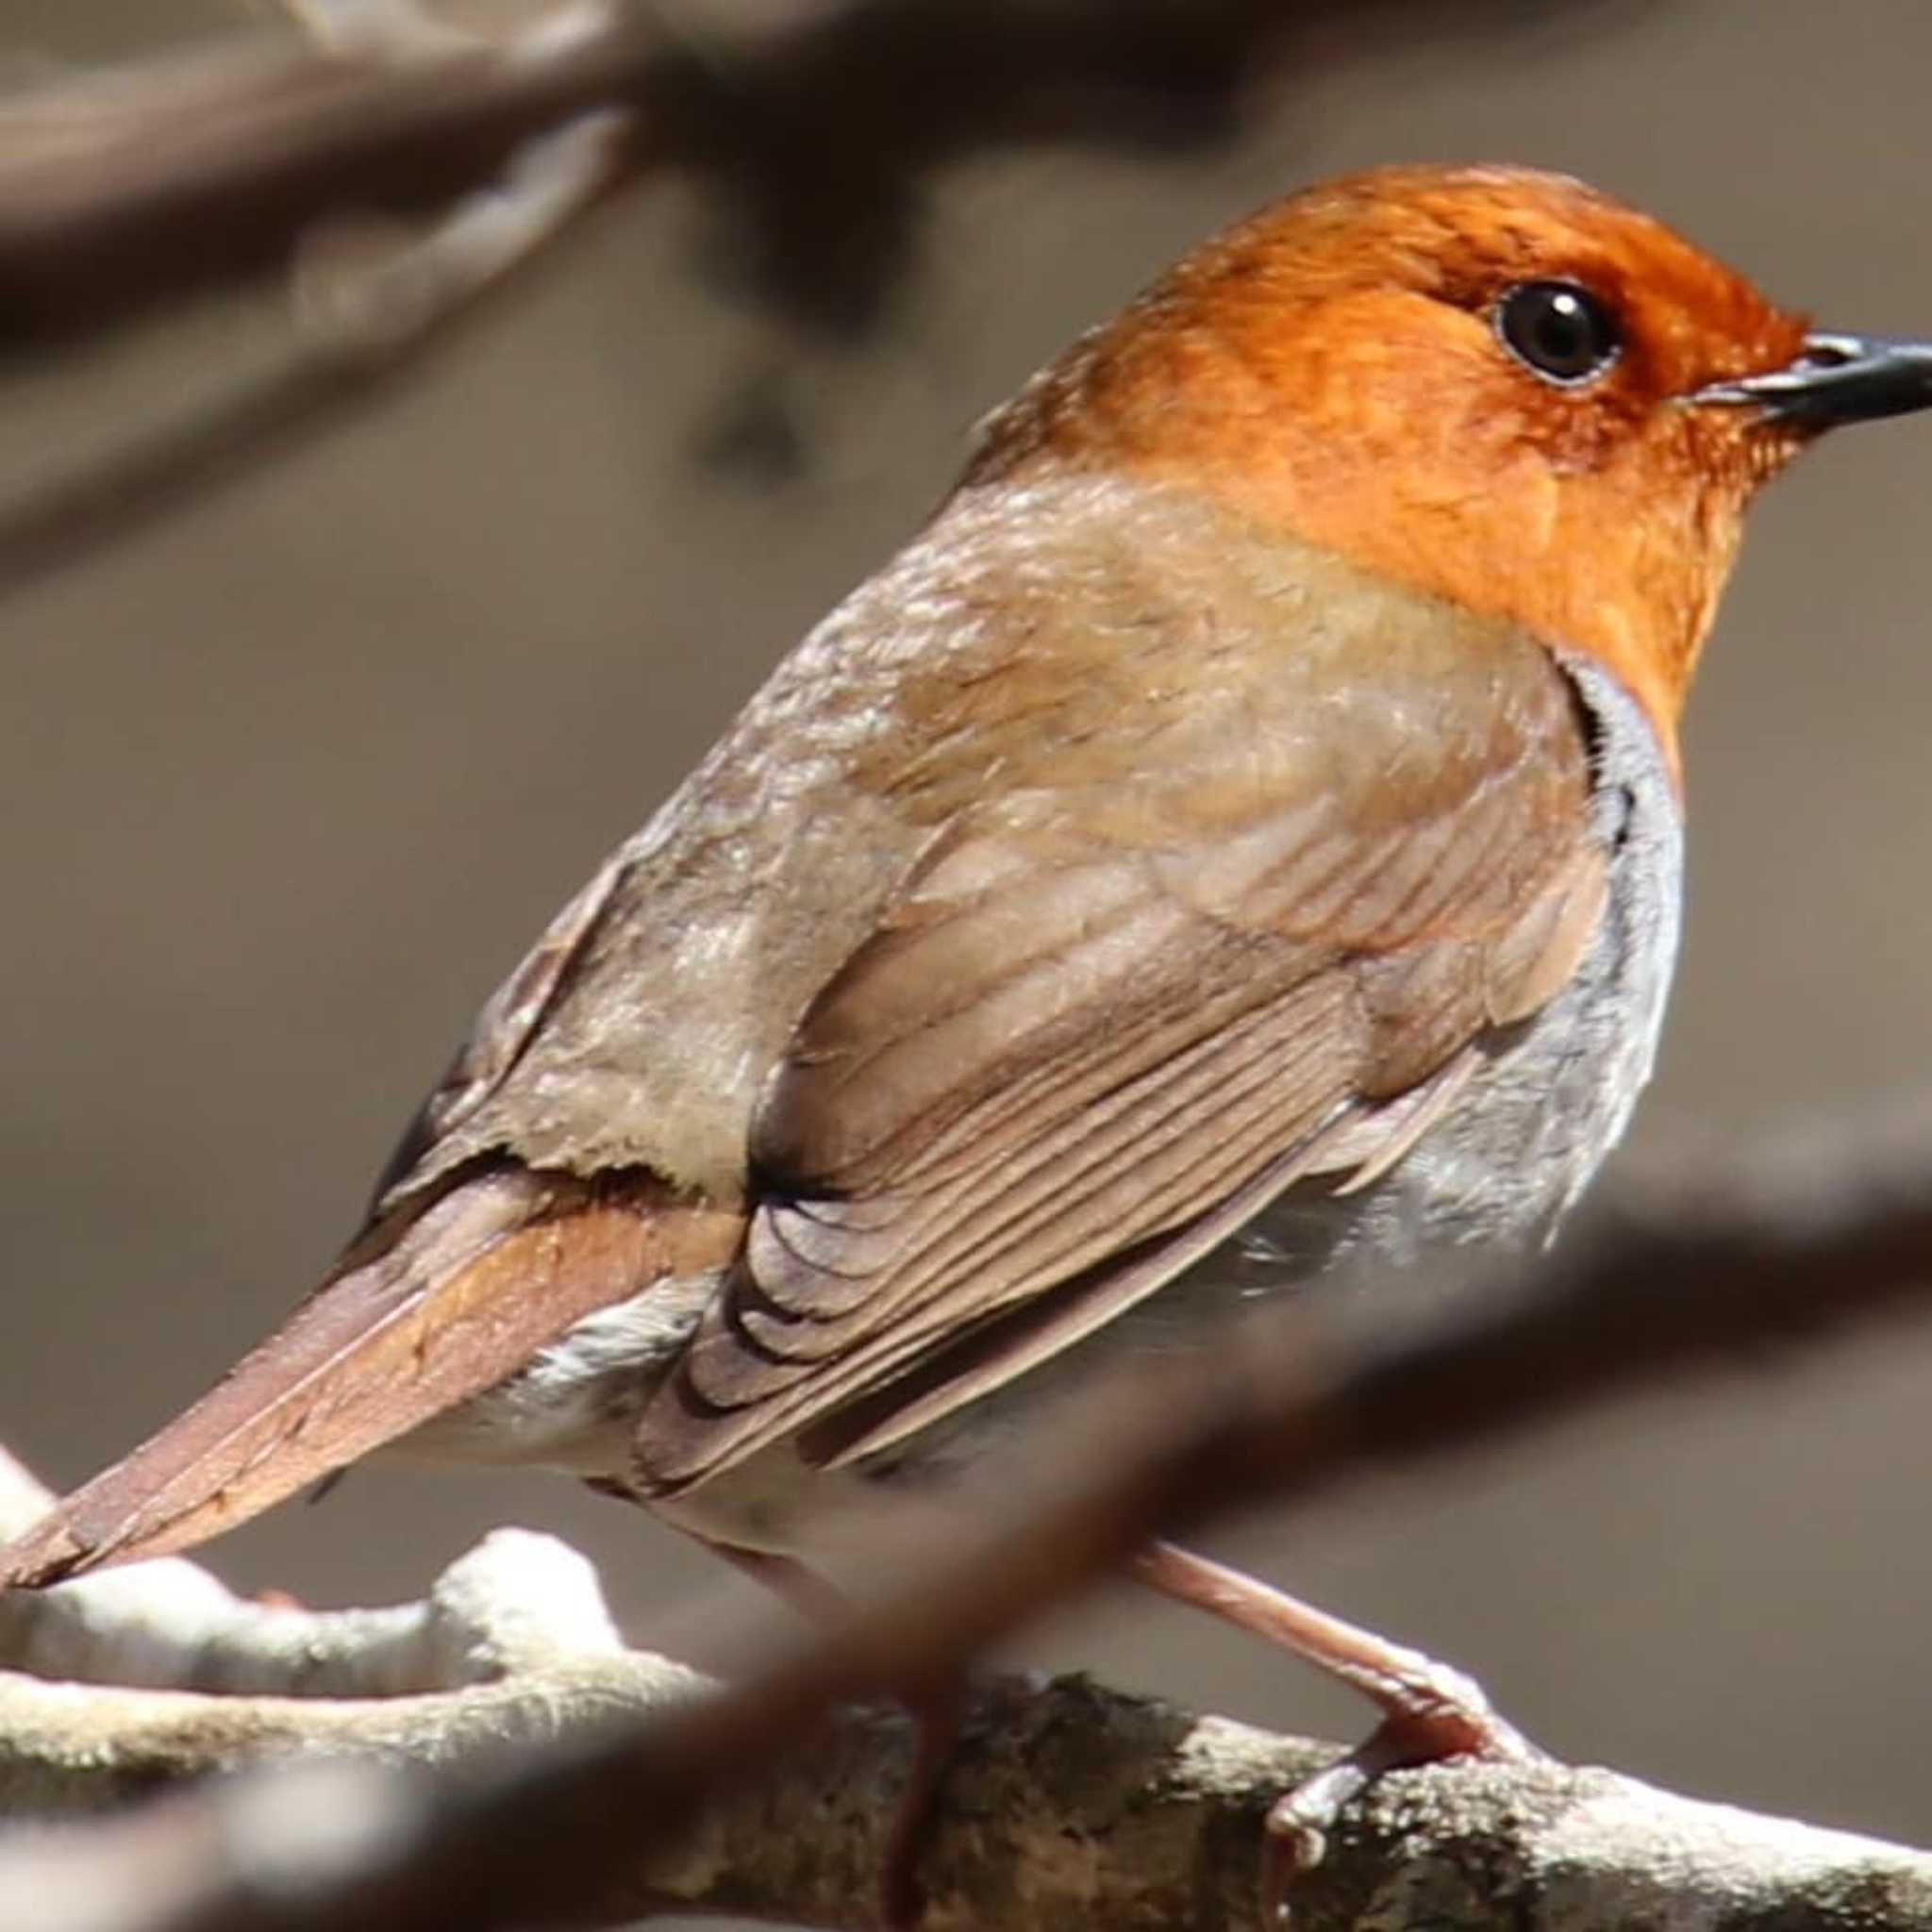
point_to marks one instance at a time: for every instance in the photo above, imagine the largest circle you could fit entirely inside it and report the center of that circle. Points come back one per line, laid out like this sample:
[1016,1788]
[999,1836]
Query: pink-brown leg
[804,1589]
[1429,1710]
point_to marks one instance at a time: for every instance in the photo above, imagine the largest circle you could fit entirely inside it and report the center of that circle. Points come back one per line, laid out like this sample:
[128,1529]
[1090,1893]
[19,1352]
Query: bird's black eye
[1561,330]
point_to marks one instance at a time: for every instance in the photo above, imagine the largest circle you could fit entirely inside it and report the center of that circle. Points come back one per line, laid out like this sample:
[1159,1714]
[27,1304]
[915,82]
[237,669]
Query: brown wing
[1103,1024]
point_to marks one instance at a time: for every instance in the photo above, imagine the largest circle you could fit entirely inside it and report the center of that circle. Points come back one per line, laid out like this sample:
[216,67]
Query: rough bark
[1068,1804]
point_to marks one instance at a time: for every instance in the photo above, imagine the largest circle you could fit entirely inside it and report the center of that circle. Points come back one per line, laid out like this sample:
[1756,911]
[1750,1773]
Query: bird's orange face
[1490,383]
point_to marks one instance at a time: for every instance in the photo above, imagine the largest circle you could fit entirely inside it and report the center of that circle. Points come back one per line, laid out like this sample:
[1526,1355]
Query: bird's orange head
[1494,384]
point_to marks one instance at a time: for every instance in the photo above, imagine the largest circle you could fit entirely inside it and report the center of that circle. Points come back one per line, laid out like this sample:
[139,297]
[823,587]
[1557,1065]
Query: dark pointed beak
[1838,379]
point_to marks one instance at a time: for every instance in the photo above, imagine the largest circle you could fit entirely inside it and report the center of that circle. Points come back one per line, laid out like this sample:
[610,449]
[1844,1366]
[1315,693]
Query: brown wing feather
[420,1317]
[1099,1028]
[1059,1319]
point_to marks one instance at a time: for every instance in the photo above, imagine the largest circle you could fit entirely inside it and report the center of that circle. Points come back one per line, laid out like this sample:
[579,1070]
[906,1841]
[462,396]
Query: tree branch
[1067,1805]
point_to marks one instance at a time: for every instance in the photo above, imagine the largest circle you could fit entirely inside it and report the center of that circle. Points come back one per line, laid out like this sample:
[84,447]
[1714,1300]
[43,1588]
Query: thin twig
[219,169]
[360,319]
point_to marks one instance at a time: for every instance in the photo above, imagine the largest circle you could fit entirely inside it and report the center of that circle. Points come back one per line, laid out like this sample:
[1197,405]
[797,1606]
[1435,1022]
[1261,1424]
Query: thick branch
[1068,1806]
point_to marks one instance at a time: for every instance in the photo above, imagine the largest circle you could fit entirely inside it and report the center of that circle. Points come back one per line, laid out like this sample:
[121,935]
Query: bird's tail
[432,1306]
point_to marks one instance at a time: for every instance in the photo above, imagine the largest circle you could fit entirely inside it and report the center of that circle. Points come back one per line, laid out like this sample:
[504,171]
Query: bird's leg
[1429,1710]
[939,1715]
[936,1713]
[816,1600]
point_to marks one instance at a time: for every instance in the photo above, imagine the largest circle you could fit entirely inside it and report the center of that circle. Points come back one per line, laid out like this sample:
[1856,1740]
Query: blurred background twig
[821,116]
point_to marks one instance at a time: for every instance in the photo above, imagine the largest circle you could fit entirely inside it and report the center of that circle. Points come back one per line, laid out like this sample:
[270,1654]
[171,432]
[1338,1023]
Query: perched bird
[1233,847]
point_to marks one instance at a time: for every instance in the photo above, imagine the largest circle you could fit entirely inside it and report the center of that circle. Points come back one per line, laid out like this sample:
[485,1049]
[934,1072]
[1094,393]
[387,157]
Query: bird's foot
[1429,1711]
[1439,1713]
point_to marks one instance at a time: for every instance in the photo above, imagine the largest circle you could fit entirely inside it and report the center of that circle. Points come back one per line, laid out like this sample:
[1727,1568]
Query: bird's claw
[1453,1719]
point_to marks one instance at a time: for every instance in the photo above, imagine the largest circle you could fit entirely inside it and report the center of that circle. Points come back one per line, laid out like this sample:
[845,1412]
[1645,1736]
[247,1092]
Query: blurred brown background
[287,783]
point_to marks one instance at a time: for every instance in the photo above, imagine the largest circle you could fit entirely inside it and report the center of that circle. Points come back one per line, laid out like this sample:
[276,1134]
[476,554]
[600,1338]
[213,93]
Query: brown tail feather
[418,1317]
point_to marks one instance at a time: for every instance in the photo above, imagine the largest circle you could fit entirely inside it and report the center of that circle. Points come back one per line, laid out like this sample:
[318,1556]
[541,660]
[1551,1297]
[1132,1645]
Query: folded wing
[1104,1021]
